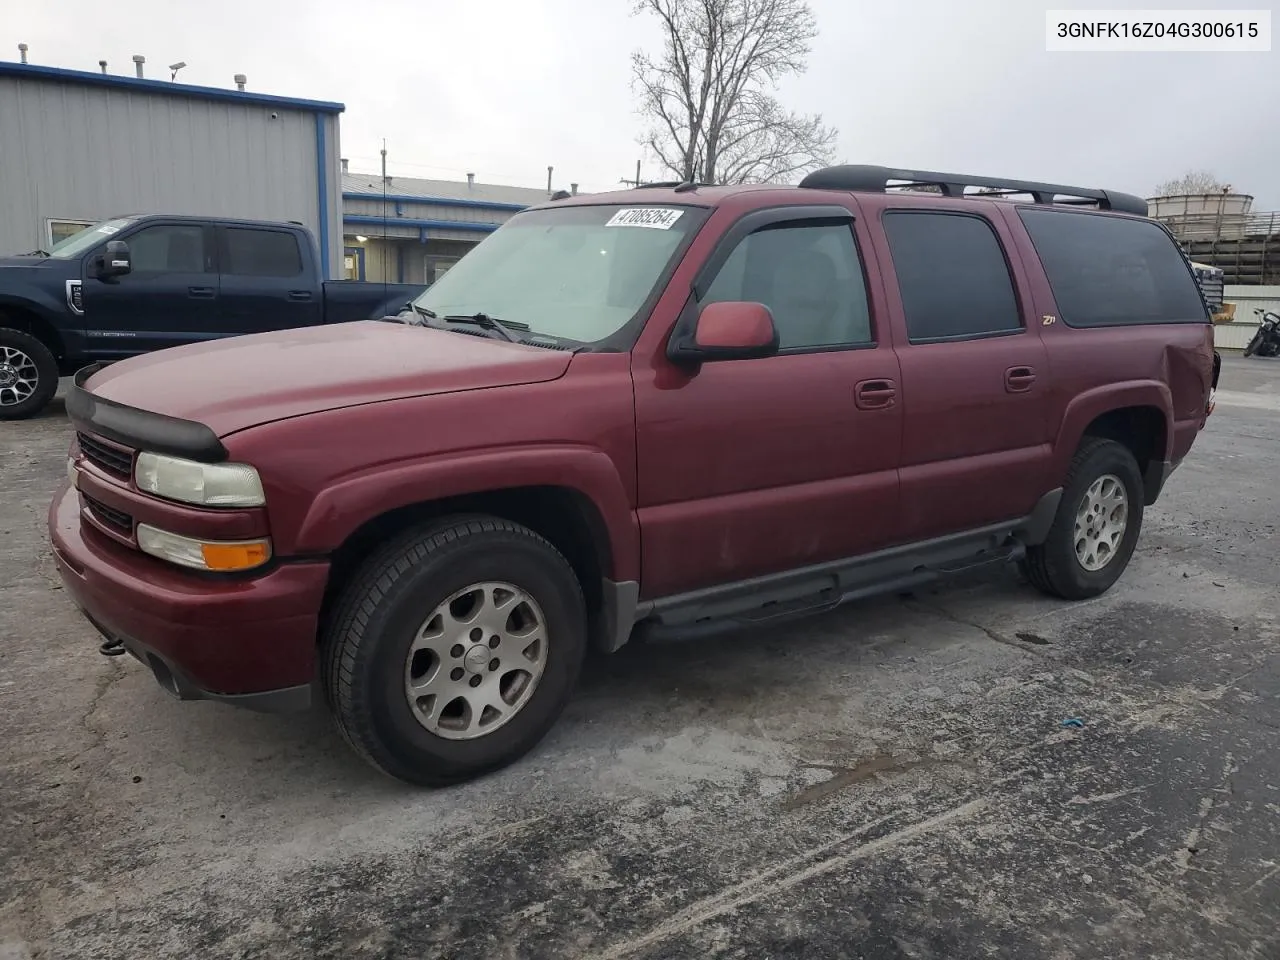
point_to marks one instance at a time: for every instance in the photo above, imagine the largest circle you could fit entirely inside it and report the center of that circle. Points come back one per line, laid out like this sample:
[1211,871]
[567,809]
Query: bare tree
[709,94]
[1195,181]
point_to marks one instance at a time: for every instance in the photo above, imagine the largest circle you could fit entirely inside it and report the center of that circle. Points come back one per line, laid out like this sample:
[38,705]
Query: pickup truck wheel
[454,650]
[28,375]
[1097,525]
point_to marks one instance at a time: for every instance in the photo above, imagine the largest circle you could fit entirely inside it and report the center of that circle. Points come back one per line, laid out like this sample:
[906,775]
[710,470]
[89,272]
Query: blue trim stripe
[437,201]
[322,194]
[424,224]
[26,71]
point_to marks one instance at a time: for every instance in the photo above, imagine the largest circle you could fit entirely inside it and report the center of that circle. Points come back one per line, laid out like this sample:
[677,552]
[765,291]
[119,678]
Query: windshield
[78,243]
[576,273]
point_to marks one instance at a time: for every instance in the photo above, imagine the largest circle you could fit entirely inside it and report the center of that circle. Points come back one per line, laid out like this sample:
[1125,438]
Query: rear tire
[1097,525]
[28,375]
[1252,348]
[426,614]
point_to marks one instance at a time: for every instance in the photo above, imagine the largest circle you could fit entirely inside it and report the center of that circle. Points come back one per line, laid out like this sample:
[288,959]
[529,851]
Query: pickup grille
[114,460]
[117,520]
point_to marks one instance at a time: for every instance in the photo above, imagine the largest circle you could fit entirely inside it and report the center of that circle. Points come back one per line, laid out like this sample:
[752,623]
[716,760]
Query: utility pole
[636,181]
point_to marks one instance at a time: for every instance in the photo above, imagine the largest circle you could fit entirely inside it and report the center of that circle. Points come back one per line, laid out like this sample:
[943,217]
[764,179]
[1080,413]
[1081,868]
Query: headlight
[204,484]
[220,555]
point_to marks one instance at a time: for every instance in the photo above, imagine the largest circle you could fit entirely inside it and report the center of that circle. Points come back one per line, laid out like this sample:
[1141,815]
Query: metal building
[410,230]
[79,147]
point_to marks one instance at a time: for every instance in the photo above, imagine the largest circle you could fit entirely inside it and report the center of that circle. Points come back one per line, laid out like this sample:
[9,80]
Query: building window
[437,267]
[59,230]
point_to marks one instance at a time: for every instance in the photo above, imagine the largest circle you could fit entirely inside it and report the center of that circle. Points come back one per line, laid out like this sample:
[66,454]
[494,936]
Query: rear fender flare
[1088,406]
[340,509]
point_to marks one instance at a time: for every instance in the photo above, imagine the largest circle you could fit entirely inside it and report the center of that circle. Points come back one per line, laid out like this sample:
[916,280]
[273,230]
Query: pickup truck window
[81,242]
[810,277]
[169,248]
[261,253]
[577,272]
[1111,271]
[952,275]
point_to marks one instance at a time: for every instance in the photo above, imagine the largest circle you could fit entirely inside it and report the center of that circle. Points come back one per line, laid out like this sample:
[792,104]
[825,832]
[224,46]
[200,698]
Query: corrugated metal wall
[78,152]
[1236,335]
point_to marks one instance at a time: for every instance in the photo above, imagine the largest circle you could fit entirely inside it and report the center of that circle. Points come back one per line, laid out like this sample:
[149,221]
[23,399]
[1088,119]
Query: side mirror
[114,261]
[730,330]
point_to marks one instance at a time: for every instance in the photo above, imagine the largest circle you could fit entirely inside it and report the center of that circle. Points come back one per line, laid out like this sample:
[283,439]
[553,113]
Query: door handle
[874,394]
[299,295]
[1019,379]
[201,293]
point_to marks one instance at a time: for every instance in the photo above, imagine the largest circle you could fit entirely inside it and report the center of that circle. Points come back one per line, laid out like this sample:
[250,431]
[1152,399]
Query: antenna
[385,265]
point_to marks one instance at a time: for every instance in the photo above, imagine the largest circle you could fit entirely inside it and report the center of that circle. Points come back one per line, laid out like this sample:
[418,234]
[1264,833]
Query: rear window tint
[1112,271]
[952,276]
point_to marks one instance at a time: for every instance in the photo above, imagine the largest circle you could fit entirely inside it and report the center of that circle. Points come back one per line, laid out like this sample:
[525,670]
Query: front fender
[1091,404]
[340,509]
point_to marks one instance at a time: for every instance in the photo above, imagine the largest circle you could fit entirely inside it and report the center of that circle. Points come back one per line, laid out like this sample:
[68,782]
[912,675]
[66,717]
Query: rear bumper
[249,642]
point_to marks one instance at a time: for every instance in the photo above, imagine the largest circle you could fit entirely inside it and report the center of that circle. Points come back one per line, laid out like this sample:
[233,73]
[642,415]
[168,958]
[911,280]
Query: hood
[242,381]
[36,263]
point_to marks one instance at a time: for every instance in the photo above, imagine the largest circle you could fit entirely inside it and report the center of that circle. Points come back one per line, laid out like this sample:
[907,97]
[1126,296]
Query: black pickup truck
[136,284]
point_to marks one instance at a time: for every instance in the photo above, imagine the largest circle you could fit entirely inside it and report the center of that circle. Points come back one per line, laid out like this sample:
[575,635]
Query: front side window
[261,253]
[952,276]
[1109,271]
[810,278]
[578,273]
[169,248]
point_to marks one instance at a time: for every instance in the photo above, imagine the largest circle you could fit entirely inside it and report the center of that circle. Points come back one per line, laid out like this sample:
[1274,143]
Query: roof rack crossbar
[876,179]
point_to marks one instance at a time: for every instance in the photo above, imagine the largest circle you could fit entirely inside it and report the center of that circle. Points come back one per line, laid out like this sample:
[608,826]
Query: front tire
[453,651]
[1097,525]
[1252,348]
[28,375]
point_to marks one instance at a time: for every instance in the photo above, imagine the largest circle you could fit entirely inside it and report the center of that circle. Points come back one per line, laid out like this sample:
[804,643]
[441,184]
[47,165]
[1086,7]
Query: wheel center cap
[8,375]
[477,658]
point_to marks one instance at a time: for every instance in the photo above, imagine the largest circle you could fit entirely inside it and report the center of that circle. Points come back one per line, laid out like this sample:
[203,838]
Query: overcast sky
[503,88]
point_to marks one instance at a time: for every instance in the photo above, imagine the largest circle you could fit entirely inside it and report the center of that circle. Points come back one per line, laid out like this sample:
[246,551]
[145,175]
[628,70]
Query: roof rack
[679,186]
[875,179]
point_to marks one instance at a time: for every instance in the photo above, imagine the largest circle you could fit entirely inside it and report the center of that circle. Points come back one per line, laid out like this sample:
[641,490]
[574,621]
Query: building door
[353,263]
[169,298]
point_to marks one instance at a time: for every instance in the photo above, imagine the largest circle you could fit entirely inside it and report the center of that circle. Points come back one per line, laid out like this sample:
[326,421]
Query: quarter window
[810,278]
[952,276]
[1110,271]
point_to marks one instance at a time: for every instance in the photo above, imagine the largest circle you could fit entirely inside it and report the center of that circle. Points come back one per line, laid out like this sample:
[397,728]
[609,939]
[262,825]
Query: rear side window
[1112,271]
[262,253]
[952,276]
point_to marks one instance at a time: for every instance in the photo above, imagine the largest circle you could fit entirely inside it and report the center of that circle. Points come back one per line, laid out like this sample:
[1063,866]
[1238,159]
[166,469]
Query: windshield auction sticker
[654,217]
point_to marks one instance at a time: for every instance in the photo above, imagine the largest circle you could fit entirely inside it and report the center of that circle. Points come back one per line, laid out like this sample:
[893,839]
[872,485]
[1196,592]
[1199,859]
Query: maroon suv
[670,409]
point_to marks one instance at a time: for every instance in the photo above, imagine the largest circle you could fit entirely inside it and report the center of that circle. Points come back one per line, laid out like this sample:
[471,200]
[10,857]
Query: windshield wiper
[489,323]
[423,312]
[36,253]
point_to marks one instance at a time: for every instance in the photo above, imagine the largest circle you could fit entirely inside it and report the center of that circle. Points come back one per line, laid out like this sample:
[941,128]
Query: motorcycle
[1266,342]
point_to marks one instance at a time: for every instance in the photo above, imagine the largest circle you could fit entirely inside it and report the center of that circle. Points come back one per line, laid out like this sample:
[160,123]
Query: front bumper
[245,641]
